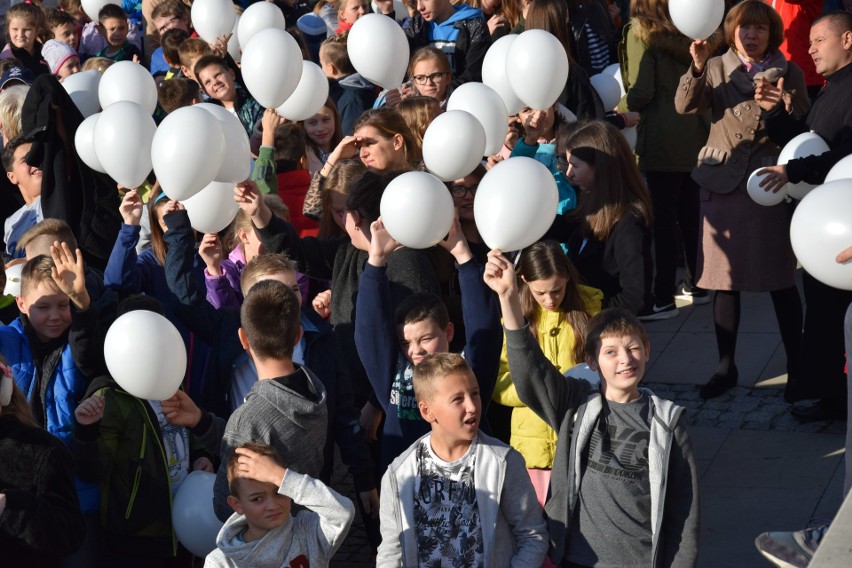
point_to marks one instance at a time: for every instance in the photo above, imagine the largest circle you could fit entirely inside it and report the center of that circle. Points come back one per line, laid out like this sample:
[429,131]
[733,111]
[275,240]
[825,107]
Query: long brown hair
[618,189]
[653,16]
[542,260]
[338,132]
[551,16]
[389,123]
[509,9]
[158,243]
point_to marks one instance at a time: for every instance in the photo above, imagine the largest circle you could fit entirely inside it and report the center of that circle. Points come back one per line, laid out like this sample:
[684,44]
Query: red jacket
[292,187]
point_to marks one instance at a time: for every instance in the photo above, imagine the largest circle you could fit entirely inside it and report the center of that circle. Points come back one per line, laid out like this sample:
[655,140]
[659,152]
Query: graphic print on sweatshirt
[446,513]
[619,450]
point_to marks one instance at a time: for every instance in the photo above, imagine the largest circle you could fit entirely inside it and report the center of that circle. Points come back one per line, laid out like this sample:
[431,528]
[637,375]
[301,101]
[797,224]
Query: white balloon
[128,81]
[697,19]
[310,94]
[821,228]
[615,71]
[453,145]
[195,523]
[213,208]
[759,195]
[417,210]
[488,108]
[515,204]
[123,136]
[631,135]
[93,7]
[260,16]
[841,170]
[84,142]
[378,49]
[805,144]
[271,65]
[400,12]
[83,89]
[156,377]
[234,42]
[537,67]
[608,90]
[186,152]
[213,18]
[494,73]
[236,160]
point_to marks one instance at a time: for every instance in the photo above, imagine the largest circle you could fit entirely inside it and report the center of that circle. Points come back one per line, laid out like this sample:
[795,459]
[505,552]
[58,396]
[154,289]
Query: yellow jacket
[534,439]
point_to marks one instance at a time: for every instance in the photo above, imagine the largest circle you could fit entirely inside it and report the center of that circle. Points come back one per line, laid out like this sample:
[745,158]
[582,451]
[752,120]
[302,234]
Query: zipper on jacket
[168,477]
[138,477]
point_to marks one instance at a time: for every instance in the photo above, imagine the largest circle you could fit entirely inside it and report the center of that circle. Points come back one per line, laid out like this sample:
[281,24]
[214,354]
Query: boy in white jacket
[261,533]
[457,497]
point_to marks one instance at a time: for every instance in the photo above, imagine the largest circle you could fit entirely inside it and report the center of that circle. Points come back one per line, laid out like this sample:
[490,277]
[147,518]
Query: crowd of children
[471,439]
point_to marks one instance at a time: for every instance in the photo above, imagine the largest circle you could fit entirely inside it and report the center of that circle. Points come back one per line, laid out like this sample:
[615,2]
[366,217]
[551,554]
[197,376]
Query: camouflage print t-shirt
[446,514]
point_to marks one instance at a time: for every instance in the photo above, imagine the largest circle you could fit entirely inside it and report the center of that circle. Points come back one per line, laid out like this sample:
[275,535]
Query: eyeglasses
[432,78]
[461,190]
[170,23]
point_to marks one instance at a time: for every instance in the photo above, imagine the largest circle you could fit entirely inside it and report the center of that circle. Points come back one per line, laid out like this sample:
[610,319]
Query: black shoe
[719,384]
[656,312]
[694,295]
[816,411]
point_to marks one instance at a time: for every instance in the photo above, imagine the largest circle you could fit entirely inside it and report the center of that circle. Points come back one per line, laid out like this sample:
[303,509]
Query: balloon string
[517,259]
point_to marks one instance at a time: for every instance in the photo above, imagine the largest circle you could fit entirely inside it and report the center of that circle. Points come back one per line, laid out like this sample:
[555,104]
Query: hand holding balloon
[220,46]
[269,122]
[775,178]
[534,127]
[455,243]
[131,208]
[700,52]
[382,244]
[499,274]
[181,410]
[249,199]
[90,410]
[210,251]
[844,256]
[172,206]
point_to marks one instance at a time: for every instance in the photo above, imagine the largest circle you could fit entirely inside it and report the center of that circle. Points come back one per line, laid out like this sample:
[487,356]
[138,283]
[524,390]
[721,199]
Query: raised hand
[700,52]
[455,243]
[90,410]
[180,410]
[322,304]
[220,46]
[767,95]
[499,274]
[382,244]
[131,208]
[69,274]
[210,251]
[252,465]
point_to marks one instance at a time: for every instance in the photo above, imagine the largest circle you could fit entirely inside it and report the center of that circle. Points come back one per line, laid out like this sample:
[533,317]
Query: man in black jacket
[831,118]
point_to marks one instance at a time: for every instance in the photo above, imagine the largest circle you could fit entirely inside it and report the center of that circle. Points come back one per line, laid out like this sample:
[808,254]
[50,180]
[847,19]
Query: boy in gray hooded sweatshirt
[261,533]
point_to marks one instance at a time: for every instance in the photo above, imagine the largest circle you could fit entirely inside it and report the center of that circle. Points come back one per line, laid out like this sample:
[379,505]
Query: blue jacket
[378,347]
[129,273]
[64,390]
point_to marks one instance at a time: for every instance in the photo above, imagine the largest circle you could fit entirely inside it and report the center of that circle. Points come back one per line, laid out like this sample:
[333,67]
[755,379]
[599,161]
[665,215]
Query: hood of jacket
[672,43]
[355,81]
[264,553]
[298,410]
[445,29]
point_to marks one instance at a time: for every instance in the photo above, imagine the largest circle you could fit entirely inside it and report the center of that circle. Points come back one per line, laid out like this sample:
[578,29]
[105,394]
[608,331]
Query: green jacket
[652,64]
[124,453]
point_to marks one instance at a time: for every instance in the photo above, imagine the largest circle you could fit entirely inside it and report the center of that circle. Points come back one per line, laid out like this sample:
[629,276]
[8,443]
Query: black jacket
[830,117]
[472,43]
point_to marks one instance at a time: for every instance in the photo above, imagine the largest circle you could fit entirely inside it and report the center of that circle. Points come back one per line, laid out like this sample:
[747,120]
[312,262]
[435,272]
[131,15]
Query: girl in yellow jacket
[557,308]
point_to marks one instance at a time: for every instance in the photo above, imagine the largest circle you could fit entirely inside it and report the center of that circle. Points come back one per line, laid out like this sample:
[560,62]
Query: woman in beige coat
[744,246]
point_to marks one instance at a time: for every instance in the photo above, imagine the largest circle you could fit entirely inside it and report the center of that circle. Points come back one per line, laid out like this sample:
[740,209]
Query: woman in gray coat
[744,246]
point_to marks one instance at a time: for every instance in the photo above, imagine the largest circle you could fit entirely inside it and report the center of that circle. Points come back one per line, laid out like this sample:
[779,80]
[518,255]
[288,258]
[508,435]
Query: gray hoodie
[313,535]
[277,416]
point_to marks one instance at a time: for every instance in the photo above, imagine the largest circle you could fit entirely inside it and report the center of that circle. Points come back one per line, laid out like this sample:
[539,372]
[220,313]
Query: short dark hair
[840,20]
[170,42]
[54,17]
[111,11]
[174,8]
[9,151]
[290,146]
[365,195]
[270,318]
[233,459]
[177,93]
[208,61]
[755,12]
[420,307]
[140,302]
[613,322]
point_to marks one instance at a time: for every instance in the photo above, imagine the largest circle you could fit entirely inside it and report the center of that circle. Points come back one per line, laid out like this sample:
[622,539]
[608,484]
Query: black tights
[726,316]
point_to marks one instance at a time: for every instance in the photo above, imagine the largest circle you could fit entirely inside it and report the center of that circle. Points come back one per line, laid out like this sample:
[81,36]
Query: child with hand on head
[140,452]
[24,22]
[113,26]
[455,492]
[392,345]
[61,58]
[558,309]
[624,482]
[262,532]
[40,520]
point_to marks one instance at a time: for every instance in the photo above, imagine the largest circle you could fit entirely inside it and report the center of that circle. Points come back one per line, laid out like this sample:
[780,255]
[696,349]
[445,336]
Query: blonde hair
[264,265]
[433,367]
[56,228]
[417,113]
[99,64]
[11,102]
[37,271]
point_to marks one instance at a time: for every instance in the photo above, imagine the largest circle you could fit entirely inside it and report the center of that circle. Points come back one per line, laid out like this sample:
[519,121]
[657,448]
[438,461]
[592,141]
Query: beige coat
[744,246]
